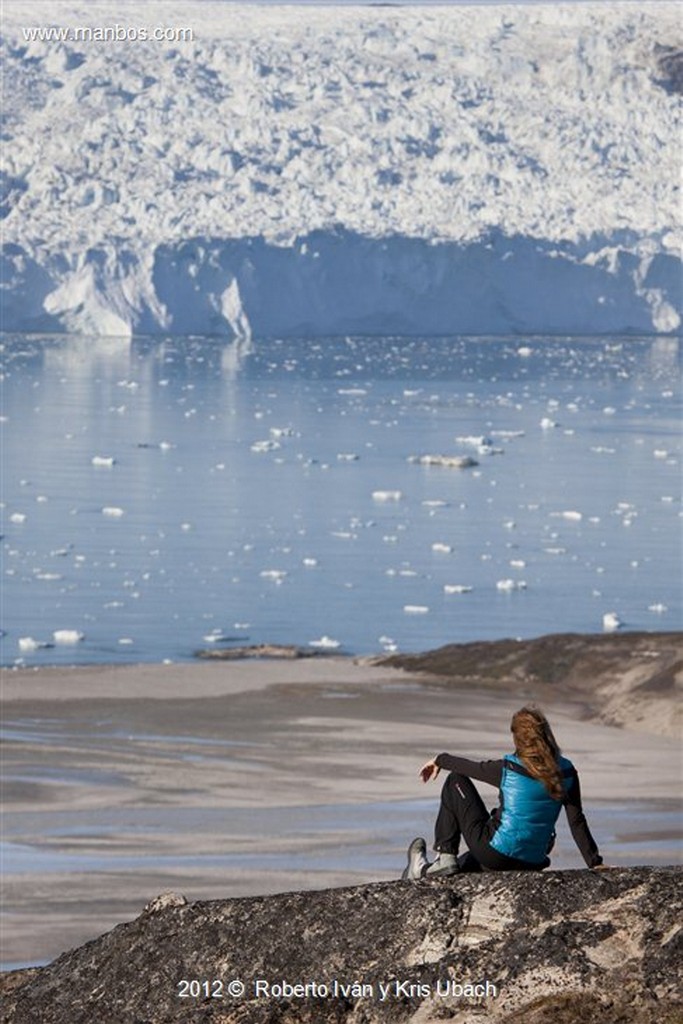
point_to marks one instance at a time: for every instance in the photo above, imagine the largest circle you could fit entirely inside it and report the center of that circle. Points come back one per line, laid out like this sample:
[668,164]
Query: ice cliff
[332,170]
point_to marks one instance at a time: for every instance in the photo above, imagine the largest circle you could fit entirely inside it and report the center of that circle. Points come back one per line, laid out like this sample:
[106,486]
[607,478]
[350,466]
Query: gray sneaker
[445,864]
[417,860]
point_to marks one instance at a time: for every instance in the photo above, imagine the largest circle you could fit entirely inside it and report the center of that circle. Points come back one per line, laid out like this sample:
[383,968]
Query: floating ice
[548,424]
[610,622]
[437,503]
[17,517]
[451,461]
[103,460]
[456,588]
[476,441]
[524,351]
[658,608]
[510,585]
[325,642]
[265,446]
[67,636]
[310,562]
[445,549]
[387,495]
[518,563]
[415,609]
[113,511]
[572,515]
[347,457]
[282,431]
[273,574]
[27,644]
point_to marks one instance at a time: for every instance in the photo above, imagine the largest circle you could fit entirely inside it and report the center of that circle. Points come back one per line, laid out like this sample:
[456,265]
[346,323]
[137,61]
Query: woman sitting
[534,783]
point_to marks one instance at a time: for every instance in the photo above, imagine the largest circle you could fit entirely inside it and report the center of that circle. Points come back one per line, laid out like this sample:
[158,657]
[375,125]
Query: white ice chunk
[27,643]
[475,441]
[415,609]
[67,636]
[610,622]
[445,549]
[103,460]
[658,608]
[113,511]
[265,446]
[456,588]
[572,515]
[450,461]
[548,424]
[17,517]
[273,574]
[347,457]
[325,642]
[387,495]
[509,585]
[310,562]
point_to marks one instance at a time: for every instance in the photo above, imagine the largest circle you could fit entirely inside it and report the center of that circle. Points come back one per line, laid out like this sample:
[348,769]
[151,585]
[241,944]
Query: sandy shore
[225,779]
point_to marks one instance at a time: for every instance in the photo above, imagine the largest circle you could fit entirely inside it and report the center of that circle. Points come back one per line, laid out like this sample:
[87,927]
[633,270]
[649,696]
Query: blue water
[204,516]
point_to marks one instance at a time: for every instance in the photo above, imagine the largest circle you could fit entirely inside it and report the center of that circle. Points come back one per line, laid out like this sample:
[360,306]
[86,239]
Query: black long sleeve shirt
[492,773]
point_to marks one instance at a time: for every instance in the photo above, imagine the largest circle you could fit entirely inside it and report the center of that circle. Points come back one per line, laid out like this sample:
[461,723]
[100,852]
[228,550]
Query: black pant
[463,814]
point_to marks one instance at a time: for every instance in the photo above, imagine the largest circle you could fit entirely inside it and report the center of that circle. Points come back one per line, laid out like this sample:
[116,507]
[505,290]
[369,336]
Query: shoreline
[222,779]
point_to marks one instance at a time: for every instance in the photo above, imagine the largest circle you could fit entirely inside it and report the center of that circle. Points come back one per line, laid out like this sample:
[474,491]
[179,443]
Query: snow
[414,170]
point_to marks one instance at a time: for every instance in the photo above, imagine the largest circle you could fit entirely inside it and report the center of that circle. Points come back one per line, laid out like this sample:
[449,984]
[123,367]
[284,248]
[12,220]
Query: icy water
[171,495]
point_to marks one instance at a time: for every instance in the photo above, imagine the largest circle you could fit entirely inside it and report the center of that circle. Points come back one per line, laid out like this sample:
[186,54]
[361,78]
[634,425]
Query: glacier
[327,170]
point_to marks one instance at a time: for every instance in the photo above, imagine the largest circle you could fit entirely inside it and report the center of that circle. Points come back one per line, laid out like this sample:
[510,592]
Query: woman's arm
[483,771]
[579,826]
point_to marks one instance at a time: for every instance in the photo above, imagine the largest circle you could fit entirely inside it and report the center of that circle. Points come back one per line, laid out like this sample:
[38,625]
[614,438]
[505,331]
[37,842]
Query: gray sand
[270,776]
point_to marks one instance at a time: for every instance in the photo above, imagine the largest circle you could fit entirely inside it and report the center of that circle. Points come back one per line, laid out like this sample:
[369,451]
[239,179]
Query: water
[211,536]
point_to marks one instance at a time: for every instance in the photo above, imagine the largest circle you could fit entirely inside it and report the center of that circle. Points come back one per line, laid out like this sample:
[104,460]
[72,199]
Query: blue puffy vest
[527,813]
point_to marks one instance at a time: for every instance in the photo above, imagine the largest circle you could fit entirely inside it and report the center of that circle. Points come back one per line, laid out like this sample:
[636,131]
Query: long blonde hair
[537,748]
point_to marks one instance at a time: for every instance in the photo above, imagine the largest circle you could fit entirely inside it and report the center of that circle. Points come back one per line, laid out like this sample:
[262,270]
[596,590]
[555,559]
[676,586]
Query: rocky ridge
[561,946]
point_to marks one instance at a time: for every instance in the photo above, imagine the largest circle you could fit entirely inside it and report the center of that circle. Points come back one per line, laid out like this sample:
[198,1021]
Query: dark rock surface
[286,651]
[559,947]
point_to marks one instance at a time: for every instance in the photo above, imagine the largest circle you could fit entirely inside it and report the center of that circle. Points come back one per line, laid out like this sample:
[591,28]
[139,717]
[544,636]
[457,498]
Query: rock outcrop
[626,679]
[557,947]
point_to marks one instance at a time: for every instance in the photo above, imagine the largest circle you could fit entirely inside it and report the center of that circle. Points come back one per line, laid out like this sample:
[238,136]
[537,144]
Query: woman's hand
[429,771]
